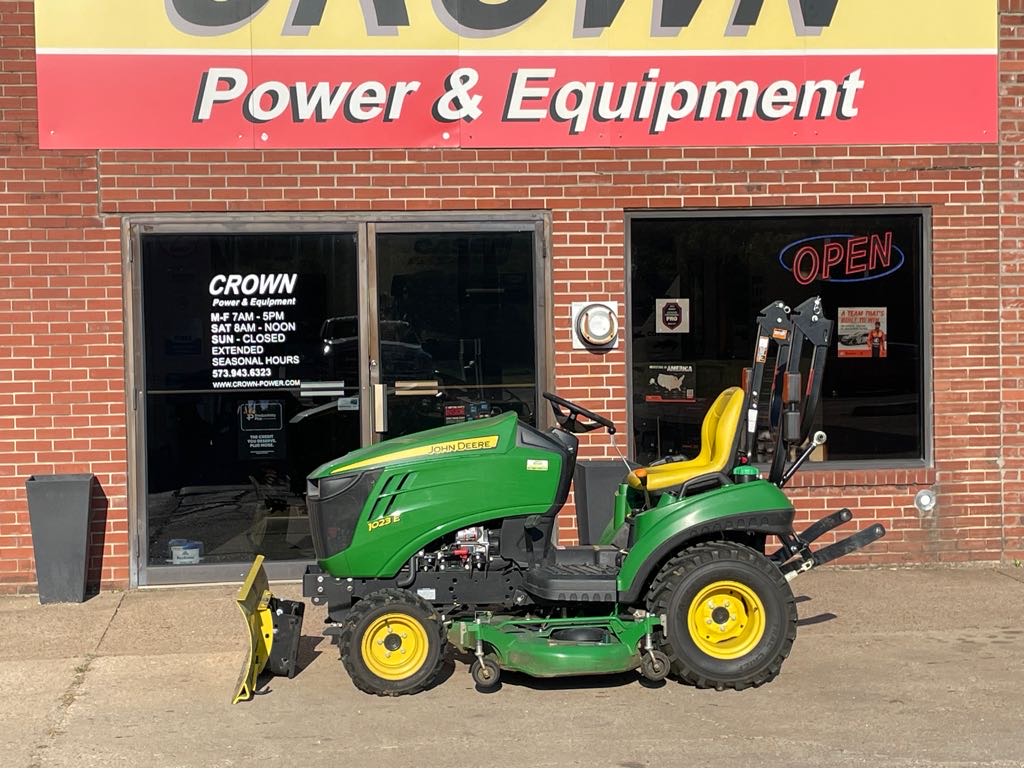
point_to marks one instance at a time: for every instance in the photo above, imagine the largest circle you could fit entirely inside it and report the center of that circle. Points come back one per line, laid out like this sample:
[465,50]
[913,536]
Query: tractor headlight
[336,508]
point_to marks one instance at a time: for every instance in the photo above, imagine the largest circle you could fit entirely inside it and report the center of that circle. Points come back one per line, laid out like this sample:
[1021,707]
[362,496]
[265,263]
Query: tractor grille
[335,511]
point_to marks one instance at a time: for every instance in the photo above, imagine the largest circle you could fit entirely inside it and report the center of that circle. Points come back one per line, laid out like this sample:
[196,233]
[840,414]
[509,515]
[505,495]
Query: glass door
[250,379]
[456,324]
[263,351]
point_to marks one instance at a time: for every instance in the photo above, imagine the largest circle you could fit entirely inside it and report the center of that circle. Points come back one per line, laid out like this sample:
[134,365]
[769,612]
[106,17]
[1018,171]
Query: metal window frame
[925,291]
[364,225]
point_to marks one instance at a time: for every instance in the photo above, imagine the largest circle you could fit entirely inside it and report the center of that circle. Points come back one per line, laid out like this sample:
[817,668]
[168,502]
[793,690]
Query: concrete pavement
[903,667]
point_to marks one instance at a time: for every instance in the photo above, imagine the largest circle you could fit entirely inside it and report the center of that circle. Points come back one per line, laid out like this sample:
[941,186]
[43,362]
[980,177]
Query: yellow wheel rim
[726,620]
[395,646]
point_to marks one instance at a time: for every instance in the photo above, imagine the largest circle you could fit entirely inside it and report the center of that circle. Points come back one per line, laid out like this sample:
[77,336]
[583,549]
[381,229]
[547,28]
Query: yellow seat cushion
[717,438]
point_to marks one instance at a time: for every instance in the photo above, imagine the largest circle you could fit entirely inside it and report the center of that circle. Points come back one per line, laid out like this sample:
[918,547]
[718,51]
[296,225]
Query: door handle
[421,387]
[380,408]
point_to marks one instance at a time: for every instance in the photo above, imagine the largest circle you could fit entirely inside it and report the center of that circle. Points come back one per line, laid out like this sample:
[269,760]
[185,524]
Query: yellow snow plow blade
[254,601]
[274,627]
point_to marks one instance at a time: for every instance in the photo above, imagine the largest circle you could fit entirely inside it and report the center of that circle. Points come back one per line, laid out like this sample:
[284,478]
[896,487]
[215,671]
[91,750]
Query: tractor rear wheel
[730,614]
[392,643]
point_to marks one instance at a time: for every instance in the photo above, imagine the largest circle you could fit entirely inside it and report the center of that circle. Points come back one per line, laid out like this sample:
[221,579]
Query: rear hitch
[795,556]
[811,533]
[848,545]
[811,560]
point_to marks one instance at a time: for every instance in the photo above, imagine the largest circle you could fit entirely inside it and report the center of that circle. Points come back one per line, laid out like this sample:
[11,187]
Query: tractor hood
[371,510]
[491,434]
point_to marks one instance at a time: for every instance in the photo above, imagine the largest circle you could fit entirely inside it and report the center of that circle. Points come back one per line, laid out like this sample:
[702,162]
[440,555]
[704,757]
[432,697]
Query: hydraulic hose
[407,581]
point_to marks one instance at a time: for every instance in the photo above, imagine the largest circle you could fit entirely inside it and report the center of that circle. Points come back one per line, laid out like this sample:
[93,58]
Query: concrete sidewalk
[890,667]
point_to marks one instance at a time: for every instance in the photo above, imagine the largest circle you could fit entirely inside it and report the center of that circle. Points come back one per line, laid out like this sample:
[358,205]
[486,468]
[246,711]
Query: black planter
[58,509]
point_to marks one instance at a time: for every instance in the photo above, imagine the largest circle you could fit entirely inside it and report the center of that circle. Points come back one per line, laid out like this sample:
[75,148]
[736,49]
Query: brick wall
[1011,274]
[62,385]
[61,345]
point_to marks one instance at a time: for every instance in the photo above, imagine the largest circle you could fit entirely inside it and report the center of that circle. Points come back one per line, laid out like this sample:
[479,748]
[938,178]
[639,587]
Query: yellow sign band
[554,26]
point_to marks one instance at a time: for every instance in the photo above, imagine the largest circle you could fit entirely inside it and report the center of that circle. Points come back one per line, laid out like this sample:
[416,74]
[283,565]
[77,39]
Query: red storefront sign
[302,96]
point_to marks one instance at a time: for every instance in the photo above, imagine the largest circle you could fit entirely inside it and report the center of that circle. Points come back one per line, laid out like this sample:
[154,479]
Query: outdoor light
[925,500]
[595,325]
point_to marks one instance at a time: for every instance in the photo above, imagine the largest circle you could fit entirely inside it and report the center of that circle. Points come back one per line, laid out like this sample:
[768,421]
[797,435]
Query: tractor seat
[717,446]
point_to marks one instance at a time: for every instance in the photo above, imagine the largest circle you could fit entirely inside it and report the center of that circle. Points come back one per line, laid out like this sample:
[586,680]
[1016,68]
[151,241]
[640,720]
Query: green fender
[664,530]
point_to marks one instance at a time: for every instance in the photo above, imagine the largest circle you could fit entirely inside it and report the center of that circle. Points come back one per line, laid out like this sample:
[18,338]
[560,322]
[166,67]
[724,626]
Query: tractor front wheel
[392,643]
[731,616]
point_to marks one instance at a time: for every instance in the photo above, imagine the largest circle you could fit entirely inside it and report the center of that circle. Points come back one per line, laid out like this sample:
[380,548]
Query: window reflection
[458,309]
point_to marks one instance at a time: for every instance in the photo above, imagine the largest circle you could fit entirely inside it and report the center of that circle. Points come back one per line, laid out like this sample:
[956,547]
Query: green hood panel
[491,435]
[436,482]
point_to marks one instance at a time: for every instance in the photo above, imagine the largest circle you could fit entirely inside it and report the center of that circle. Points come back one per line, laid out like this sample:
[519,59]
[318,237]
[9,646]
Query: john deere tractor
[446,537]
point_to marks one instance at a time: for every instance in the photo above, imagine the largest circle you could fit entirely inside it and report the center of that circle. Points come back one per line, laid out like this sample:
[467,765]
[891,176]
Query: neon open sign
[842,258]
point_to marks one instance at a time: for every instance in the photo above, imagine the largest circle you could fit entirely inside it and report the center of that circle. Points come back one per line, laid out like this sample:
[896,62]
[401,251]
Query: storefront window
[698,281]
[243,394]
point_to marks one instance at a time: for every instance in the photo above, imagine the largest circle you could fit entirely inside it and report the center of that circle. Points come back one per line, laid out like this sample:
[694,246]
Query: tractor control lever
[818,439]
[570,423]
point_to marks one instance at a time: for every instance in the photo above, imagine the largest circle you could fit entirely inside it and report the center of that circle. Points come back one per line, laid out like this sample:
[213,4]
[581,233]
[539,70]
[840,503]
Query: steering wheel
[569,421]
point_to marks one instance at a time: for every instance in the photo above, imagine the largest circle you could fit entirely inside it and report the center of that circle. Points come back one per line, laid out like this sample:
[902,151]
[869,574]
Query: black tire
[379,620]
[655,665]
[752,642]
[486,674]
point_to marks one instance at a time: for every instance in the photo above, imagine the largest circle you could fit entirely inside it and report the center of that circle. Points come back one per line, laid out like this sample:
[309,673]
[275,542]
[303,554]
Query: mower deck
[548,648]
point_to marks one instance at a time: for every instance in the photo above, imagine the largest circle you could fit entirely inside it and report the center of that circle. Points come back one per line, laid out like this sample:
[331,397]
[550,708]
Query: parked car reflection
[401,351]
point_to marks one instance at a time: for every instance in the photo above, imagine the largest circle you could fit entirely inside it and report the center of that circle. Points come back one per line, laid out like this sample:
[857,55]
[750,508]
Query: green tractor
[446,537]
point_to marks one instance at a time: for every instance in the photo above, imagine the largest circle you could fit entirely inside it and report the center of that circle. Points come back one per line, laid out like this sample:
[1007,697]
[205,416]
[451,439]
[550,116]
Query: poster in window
[863,332]
[672,316]
[454,413]
[261,430]
[670,383]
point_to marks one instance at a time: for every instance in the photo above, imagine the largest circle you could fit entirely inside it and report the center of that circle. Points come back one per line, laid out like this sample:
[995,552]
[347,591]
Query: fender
[758,507]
